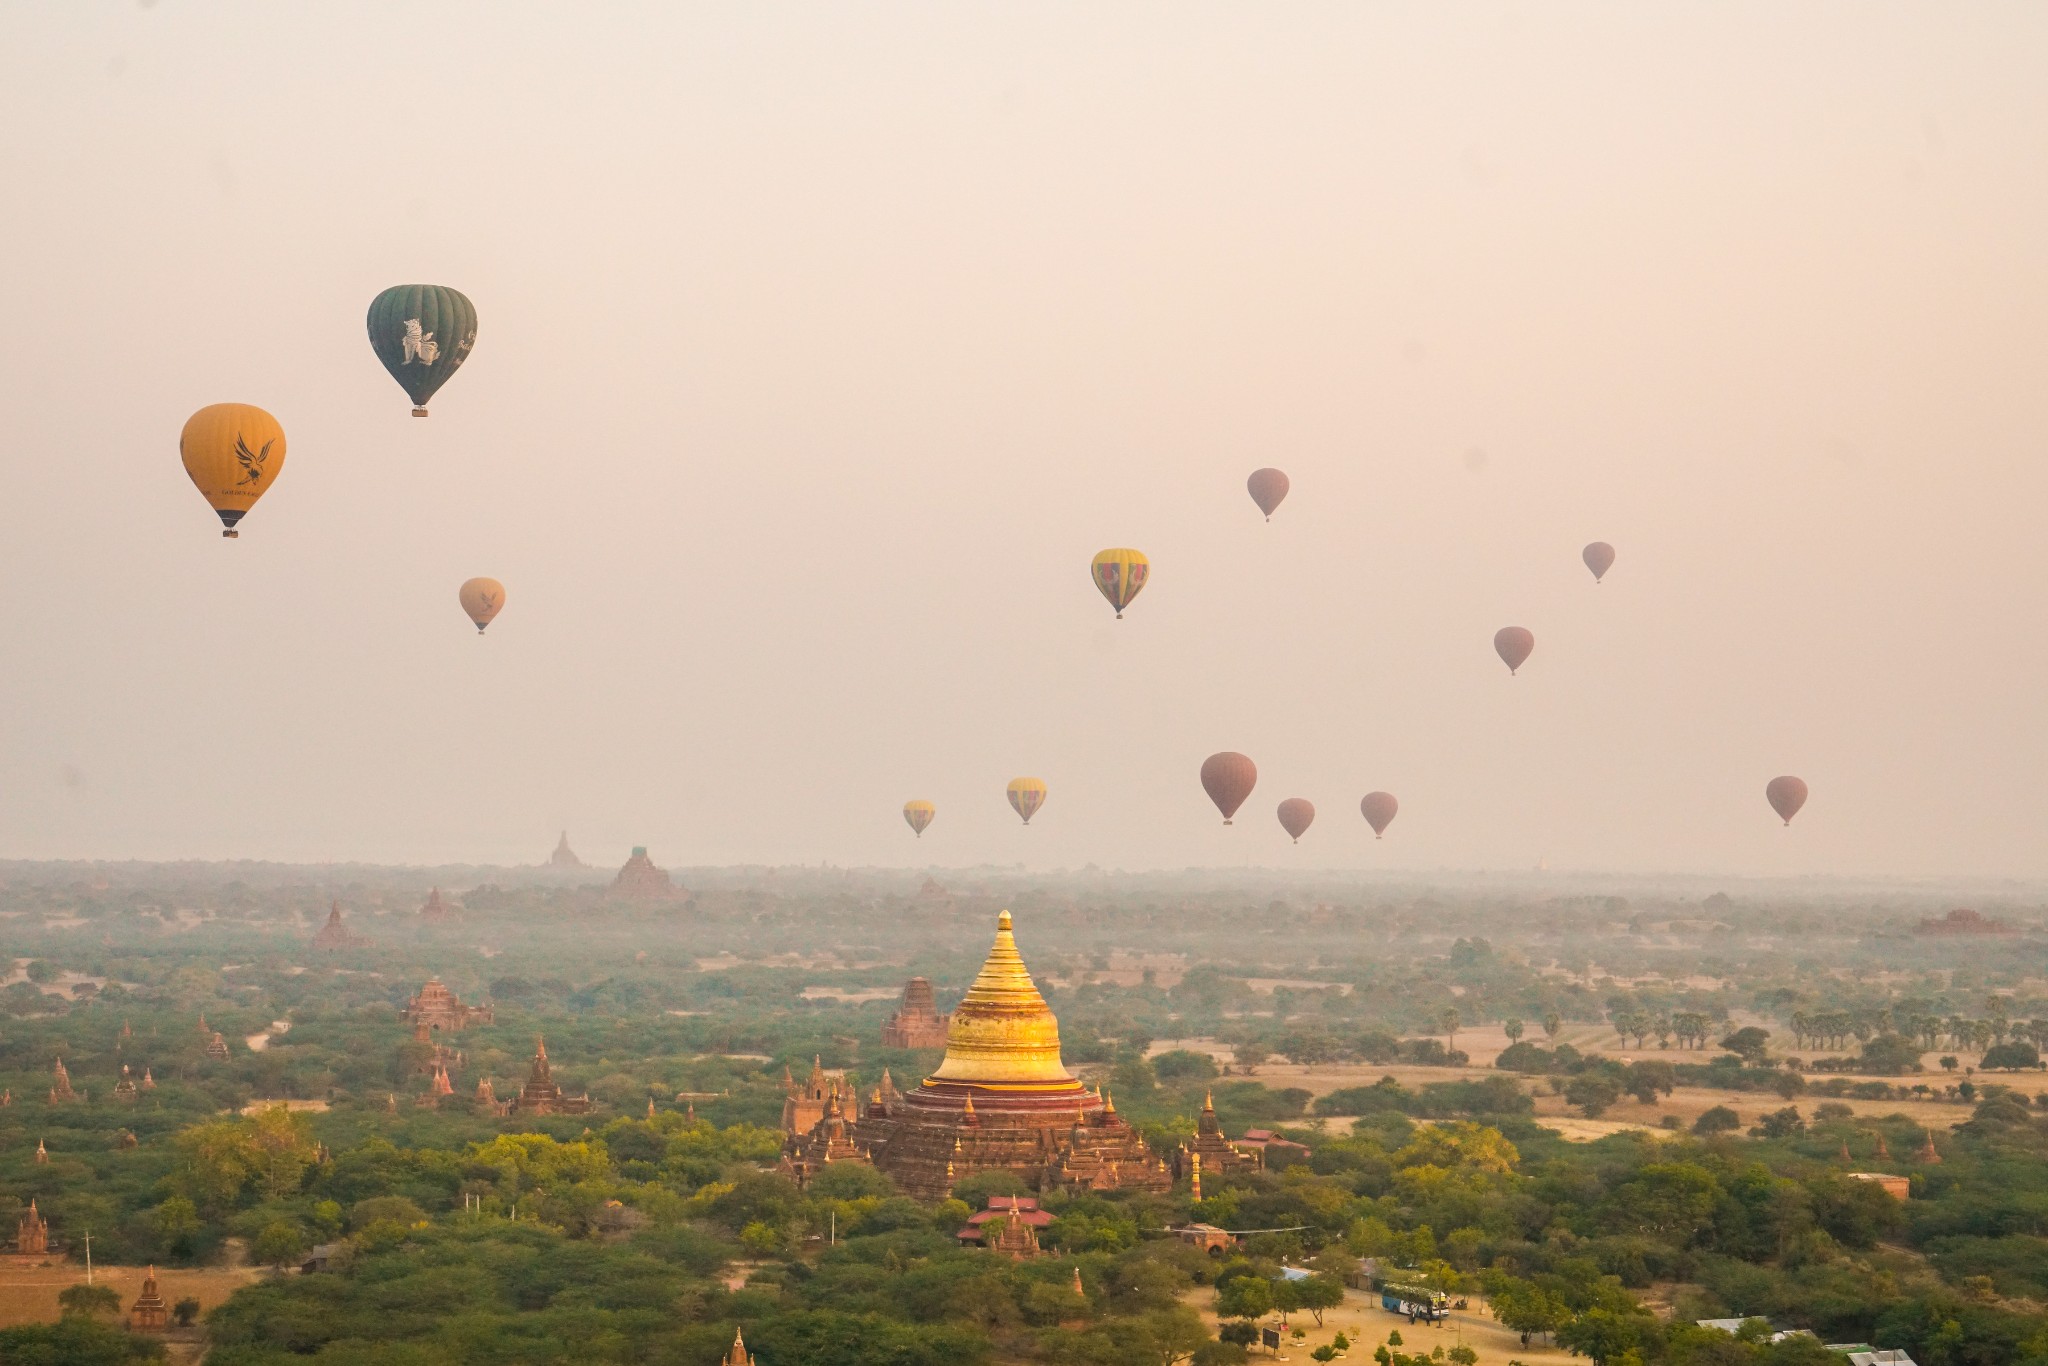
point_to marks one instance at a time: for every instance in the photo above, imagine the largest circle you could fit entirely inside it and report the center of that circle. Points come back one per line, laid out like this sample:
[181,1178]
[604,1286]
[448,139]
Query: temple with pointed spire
[436,908]
[738,1355]
[804,1105]
[1209,1151]
[149,1314]
[60,1086]
[917,1022]
[540,1095]
[32,1235]
[333,936]
[1004,1100]
[436,1008]
[564,856]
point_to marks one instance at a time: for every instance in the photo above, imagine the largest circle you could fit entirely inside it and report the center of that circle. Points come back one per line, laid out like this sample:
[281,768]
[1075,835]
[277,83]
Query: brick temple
[917,1022]
[437,1009]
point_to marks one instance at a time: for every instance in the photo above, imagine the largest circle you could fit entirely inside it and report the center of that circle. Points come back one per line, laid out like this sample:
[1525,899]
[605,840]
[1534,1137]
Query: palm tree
[1552,1023]
[1513,1029]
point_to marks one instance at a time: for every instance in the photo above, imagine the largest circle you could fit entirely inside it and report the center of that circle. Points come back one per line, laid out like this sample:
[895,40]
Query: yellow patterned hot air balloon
[919,814]
[482,599]
[1027,795]
[232,451]
[1121,575]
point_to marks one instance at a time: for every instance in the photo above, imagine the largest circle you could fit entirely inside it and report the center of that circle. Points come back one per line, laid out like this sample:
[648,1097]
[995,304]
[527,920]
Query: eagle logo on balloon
[252,462]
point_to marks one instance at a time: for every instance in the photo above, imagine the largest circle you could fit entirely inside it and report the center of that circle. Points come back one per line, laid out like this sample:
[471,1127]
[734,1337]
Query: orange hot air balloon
[232,452]
[1027,795]
[482,599]
[919,814]
[1786,796]
[1513,644]
[1379,809]
[1599,558]
[1268,487]
[1297,814]
[1228,779]
[1121,575]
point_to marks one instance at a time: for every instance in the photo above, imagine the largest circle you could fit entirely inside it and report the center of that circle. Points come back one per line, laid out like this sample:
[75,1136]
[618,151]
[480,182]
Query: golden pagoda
[1003,1099]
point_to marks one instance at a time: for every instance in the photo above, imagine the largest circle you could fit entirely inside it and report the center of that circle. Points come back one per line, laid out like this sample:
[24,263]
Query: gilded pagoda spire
[1003,1034]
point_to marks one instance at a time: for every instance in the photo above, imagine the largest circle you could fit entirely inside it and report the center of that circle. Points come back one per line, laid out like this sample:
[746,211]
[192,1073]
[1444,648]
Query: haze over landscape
[1023,685]
[819,350]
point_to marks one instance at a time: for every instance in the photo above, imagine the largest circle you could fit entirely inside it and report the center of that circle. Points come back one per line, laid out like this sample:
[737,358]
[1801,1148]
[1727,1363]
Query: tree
[1245,1297]
[1949,1064]
[1647,1080]
[1249,1054]
[1592,1092]
[88,1301]
[279,1243]
[1780,1123]
[1513,1029]
[1319,1293]
[1748,1043]
[1552,1023]
[1719,1120]
[2011,1057]
[1448,1021]
[185,1311]
[1183,1064]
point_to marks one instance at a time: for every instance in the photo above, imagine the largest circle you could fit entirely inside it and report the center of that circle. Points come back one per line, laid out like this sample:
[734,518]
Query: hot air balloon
[233,452]
[422,333]
[482,599]
[1228,779]
[1268,487]
[1599,558]
[1121,575]
[1379,809]
[919,814]
[1027,795]
[1786,796]
[1513,644]
[1297,814]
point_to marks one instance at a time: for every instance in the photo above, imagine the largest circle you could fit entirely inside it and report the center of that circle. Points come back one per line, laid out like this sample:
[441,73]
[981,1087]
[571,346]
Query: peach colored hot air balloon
[1513,644]
[1599,558]
[1268,487]
[1297,814]
[482,599]
[1026,796]
[919,814]
[1379,809]
[1786,796]
[1228,779]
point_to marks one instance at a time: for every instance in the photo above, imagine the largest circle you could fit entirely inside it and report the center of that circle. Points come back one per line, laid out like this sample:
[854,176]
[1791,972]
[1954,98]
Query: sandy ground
[29,1294]
[313,1107]
[1687,1103]
[1361,1319]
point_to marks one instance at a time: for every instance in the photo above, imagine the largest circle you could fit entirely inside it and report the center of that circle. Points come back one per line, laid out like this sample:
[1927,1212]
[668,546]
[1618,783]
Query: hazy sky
[822,345]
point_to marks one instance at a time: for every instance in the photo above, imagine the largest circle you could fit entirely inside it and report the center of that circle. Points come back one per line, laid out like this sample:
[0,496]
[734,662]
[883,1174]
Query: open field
[1361,1319]
[1688,1103]
[29,1294]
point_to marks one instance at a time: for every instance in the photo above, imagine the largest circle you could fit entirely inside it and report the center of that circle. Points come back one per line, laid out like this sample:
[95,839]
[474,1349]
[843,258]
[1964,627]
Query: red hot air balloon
[1228,779]
[1297,814]
[1513,644]
[1379,809]
[1268,487]
[1599,558]
[1786,796]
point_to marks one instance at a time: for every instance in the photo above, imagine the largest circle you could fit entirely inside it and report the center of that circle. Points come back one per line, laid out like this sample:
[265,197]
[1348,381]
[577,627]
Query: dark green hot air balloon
[422,333]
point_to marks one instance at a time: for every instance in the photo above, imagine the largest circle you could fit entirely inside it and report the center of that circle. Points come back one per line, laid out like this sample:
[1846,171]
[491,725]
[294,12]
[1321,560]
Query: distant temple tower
[60,1089]
[436,908]
[640,880]
[333,936]
[124,1089]
[150,1314]
[564,856]
[738,1355]
[42,1153]
[32,1237]
[438,1008]
[1212,1152]
[541,1096]
[803,1106]
[218,1049]
[917,1022]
